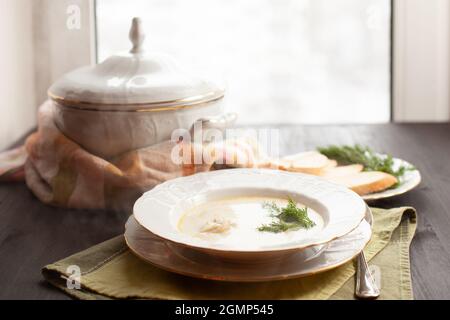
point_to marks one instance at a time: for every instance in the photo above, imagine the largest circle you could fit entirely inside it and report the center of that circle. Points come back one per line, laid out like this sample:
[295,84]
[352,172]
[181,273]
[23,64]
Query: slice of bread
[366,182]
[330,165]
[311,162]
[330,172]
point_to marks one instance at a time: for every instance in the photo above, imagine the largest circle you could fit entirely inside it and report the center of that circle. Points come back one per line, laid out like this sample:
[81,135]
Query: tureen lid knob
[136,35]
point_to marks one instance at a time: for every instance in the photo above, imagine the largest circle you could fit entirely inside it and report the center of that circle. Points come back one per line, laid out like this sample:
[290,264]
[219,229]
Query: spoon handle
[366,287]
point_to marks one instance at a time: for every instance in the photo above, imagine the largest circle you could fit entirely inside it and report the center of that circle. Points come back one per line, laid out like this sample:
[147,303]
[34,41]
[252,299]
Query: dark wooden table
[33,235]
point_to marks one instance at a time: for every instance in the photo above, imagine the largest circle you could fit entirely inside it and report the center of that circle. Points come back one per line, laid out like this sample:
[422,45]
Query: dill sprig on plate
[290,217]
[364,155]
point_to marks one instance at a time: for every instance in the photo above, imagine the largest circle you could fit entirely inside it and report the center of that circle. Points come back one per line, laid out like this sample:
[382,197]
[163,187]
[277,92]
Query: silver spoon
[366,287]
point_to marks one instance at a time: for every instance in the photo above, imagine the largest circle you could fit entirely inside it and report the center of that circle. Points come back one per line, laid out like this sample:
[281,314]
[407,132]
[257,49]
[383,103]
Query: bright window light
[292,61]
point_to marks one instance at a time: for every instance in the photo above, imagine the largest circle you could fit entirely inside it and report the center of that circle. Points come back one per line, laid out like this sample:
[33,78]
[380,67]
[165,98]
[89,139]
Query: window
[297,61]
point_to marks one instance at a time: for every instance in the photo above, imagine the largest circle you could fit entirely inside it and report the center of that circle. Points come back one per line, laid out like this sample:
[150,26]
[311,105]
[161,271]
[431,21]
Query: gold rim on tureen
[190,102]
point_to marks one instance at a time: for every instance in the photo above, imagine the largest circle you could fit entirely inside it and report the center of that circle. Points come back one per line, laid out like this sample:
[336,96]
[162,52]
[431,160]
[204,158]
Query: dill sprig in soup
[288,218]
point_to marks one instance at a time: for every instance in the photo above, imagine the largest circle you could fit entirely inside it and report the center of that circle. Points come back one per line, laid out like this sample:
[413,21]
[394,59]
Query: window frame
[420,61]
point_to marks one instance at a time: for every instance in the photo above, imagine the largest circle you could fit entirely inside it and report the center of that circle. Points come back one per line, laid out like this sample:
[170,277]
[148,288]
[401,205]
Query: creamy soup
[234,222]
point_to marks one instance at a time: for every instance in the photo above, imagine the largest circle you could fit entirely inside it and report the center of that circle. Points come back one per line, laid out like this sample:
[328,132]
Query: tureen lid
[133,80]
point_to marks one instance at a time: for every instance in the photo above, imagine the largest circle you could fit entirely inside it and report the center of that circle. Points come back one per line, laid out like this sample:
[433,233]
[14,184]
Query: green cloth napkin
[110,271]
